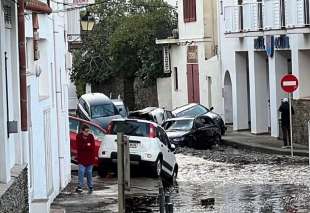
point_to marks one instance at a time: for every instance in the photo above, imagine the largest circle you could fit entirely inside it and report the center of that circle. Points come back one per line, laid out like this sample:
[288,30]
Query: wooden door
[193,83]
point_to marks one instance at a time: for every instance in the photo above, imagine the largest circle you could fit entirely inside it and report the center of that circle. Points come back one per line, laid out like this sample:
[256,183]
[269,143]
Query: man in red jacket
[86,157]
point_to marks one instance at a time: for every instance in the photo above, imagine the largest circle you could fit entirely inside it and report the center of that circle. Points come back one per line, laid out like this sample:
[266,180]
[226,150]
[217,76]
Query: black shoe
[90,190]
[79,190]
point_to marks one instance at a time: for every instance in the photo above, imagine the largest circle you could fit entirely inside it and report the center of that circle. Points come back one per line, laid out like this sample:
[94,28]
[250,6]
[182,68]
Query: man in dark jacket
[285,121]
[86,157]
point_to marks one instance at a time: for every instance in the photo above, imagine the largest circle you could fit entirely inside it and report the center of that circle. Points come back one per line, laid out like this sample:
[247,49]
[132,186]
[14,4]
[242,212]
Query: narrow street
[223,179]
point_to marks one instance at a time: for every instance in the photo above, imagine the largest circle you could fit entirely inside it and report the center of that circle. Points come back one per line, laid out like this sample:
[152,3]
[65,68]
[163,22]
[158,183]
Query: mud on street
[233,180]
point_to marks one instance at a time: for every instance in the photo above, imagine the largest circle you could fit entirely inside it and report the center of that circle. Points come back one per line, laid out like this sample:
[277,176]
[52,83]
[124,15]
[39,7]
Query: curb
[264,149]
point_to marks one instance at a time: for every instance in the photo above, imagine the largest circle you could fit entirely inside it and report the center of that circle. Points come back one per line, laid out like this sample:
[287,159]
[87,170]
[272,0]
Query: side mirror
[172,148]
[212,108]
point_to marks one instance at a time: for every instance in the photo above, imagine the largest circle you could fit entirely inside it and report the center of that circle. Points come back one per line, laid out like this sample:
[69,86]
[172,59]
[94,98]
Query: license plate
[133,145]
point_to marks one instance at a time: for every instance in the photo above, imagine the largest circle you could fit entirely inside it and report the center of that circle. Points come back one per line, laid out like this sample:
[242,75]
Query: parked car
[193,110]
[122,108]
[75,127]
[98,108]
[198,132]
[154,114]
[149,148]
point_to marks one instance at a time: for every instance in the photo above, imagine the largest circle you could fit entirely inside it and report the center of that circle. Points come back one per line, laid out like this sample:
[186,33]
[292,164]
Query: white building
[192,58]
[251,77]
[43,148]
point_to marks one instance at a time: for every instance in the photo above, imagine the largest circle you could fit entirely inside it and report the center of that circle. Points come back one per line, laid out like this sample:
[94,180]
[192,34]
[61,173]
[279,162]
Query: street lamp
[87,22]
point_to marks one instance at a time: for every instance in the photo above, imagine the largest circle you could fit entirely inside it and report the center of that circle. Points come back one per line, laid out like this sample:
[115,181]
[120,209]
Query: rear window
[104,110]
[132,128]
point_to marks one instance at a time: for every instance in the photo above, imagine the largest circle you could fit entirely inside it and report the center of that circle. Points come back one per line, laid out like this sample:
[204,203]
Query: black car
[98,108]
[193,110]
[197,132]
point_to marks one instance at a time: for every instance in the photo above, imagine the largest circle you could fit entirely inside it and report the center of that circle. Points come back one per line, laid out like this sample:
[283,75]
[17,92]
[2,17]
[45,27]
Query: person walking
[285,122]
[86,157]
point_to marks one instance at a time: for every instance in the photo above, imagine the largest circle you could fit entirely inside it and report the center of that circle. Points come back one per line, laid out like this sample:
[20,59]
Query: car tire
[173,177]
[102,171]
[218,139]
[157,168]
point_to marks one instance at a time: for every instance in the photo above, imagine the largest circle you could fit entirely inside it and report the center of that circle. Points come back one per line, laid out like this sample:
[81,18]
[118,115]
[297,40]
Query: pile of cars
[153,133]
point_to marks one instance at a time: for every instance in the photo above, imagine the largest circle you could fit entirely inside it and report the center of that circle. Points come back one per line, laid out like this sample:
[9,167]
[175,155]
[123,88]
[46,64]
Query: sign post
[289,84]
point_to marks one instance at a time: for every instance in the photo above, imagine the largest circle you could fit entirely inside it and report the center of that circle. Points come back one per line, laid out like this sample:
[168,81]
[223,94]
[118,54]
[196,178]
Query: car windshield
[103,110]
[132,128]
[193,111]
[183,125]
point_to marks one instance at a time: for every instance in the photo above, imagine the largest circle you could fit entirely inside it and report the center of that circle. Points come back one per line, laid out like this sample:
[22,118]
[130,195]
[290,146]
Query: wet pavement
[240,181]
[223,179]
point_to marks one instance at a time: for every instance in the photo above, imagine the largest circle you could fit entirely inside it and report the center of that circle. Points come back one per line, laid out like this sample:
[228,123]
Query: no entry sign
[289,83]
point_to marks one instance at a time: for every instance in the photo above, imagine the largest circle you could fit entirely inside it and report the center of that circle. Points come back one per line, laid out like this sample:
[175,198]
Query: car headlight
[178,139]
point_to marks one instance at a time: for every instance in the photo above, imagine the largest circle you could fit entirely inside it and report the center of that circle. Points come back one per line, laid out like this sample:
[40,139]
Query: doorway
[228,102]
[193,83]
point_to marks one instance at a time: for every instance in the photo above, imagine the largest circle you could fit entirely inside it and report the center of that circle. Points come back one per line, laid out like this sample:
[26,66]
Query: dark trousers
[286,135]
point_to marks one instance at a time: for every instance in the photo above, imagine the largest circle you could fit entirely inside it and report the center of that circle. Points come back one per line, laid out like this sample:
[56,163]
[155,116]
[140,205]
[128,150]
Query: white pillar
[258,92]
[278,67]
[242,110]
[88,88]
[301,66]
[4,146]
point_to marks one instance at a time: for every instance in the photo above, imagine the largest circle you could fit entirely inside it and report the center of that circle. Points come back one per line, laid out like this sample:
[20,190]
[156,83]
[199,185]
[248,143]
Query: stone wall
[134,93]
[15,198]
[300,121]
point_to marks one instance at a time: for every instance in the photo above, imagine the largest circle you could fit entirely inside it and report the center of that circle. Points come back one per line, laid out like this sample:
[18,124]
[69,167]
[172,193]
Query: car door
[98,136]
[167,167]
[74,126]
[199,129]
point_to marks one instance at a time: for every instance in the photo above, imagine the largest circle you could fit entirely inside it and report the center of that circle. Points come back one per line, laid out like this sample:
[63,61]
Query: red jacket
[86,152]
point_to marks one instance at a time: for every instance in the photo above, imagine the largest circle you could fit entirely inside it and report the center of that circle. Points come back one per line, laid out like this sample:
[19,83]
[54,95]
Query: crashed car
[193,110]
[198,132]
[154,114]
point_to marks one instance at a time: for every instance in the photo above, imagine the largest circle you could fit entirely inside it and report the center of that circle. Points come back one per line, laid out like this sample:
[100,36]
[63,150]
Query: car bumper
[134,160]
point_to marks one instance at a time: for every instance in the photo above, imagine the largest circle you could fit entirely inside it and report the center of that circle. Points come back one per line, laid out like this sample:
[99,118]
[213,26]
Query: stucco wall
[164,90]
[300,121]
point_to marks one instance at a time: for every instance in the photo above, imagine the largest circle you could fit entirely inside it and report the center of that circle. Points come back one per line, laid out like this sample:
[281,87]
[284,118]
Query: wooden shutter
[196,83]
[190,86]
[189,10]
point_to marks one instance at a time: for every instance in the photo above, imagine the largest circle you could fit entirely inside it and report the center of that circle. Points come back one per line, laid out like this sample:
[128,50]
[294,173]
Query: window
[189,10]
[162,136]
[7,16]
[240,2]
[74,125]
[176,81]
[282,12]
[132,128]
[103,110]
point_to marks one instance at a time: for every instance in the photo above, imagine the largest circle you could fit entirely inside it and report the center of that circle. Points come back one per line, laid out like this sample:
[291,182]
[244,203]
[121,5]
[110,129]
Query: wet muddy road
[240,181]
[219,180]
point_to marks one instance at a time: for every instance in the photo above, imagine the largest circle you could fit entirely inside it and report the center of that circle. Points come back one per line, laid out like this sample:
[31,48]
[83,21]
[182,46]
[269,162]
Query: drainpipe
[22,64]
[58,111]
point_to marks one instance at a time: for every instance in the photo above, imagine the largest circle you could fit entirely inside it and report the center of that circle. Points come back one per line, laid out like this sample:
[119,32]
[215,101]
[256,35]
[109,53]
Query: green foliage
[123,41]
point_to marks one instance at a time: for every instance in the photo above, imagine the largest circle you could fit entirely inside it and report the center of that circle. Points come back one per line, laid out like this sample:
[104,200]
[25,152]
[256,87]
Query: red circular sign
[289,83]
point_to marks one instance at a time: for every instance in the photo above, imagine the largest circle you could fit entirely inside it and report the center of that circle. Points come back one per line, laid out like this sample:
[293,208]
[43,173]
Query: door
[193,83]
[164,140]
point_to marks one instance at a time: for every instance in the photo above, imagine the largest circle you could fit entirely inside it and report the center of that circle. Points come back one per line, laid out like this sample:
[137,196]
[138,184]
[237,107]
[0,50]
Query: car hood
[176,134]
[104,121]
[213,115]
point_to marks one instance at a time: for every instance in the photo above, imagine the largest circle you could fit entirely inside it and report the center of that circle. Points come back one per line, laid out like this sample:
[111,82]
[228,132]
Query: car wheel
[218,140]
[157,167]
[173,177]
[102,171]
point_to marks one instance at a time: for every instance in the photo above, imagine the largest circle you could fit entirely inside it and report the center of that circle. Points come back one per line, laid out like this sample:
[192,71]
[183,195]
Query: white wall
[164,90]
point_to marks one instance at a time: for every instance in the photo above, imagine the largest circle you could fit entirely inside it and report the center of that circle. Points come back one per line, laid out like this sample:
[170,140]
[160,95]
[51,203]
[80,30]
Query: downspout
[22,65]
[58,112]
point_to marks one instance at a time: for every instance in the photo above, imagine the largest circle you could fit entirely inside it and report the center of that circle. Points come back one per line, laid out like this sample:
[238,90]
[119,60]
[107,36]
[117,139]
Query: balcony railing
[267,15]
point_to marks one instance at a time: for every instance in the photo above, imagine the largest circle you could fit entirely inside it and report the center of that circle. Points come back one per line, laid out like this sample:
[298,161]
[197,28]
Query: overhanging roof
[37,6]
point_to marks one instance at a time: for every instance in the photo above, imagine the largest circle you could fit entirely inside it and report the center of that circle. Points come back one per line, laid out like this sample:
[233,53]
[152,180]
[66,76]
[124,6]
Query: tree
[123,41]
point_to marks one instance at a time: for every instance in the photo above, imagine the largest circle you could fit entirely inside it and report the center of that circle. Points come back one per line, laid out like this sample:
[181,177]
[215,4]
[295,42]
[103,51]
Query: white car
[149,147]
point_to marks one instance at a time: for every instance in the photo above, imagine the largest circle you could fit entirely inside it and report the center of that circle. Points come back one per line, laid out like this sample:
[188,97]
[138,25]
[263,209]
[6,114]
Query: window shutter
[189,10]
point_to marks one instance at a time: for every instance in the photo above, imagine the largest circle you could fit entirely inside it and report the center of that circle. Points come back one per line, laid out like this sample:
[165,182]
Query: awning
[38,6]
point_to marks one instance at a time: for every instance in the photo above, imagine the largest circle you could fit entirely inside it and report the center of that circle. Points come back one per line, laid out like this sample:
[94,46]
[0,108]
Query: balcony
[270,17]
